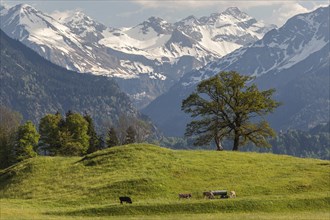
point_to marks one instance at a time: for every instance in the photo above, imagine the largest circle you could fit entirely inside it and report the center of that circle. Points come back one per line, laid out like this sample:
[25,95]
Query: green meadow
[267,186]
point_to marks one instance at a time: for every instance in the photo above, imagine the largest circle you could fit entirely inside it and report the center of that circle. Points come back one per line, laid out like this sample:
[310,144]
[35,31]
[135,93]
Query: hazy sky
[116,13]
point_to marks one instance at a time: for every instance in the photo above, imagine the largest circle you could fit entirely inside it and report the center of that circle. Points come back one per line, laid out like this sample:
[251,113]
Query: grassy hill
[153,177]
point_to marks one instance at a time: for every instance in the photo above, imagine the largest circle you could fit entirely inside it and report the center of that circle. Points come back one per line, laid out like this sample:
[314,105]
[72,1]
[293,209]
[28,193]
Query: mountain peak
[156,20]
[190,20]
[3,9]
[233,11]
[24,7]
[236,13]
[70,16]
[80,14]
[158,24]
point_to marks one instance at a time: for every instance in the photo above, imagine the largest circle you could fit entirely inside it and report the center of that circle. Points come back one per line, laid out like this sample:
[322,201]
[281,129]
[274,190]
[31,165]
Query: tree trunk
[236,141]
[219,147]
[218,143]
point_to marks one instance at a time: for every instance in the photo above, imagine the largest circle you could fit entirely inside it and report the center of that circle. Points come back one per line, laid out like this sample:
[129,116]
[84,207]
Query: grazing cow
[125,199]
[184,195]
[221,193]
[208,195]
[232,194]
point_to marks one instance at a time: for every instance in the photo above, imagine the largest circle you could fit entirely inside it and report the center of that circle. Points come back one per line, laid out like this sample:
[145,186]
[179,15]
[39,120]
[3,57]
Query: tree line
[71,135]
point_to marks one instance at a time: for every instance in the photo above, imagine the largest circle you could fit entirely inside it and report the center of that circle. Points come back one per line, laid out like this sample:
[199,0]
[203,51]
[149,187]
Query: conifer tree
[130,135]
[112,139]
[94,142]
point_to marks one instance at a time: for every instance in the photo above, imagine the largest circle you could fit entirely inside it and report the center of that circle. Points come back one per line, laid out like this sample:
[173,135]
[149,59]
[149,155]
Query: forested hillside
[34,87]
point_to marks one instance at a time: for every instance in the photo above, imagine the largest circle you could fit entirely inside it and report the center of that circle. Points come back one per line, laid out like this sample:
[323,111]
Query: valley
[190,99]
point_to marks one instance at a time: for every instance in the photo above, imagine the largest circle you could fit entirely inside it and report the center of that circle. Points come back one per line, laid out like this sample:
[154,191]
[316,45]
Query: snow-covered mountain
[152,55]
[206,38]
[54,40]
[294,59]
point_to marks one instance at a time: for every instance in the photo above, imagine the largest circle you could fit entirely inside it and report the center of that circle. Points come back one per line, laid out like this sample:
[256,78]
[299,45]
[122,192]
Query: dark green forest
[56,135]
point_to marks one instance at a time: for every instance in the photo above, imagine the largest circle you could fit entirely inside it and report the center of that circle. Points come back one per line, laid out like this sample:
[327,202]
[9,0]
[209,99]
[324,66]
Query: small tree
[9,123]
[49,129]
[122,125]
[225,105]
[75,132]
[112,139]
[26,141]
[130,135]
[94,142]
[143,129]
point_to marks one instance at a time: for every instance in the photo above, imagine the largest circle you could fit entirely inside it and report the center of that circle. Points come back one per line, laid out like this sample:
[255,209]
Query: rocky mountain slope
[35,87]
[293,59]
[146,59]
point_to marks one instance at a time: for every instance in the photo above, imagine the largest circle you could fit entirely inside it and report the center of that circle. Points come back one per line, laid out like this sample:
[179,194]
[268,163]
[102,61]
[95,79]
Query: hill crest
[147,172]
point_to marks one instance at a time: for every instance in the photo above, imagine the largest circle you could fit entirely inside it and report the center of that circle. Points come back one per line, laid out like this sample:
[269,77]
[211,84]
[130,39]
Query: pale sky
[125,13]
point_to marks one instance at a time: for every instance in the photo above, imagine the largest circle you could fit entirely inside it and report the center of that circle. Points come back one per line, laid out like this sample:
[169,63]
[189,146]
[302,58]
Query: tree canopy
[225,106]
[49,129]
[130,135]
[64,137]
[9,123]
[27,139]
[112,139]
[94,139]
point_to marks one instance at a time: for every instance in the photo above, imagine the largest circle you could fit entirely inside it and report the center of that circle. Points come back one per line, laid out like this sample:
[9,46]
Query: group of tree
[311,143]
[226,107]
[128,130]
[72,135]
[17,142]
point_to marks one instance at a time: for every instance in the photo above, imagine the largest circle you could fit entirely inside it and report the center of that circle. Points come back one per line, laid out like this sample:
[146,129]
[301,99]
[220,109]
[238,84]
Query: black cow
[184,195]
[125,199]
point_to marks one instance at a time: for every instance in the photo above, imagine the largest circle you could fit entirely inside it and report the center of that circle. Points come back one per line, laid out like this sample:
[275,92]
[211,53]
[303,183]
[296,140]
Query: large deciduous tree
[225,106]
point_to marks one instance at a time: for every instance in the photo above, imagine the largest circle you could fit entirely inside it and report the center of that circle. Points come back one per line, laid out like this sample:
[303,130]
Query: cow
[232,194]
[221,193]
[208,195]
[184,195]
[125,199]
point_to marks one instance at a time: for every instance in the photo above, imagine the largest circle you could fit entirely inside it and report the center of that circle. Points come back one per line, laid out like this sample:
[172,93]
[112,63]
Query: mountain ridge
[77,42]
[281,65]
[34,86]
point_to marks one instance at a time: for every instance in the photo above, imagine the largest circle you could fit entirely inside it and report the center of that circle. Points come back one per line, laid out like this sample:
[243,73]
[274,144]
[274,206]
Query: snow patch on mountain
[283,48]
[155,48]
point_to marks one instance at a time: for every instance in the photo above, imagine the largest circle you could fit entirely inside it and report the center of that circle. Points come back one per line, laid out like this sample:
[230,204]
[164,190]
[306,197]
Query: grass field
[268,186]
